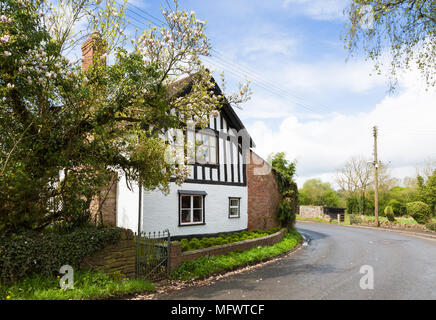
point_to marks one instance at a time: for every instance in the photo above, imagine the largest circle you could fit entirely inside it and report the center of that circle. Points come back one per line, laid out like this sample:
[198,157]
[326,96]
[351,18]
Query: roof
[183,86]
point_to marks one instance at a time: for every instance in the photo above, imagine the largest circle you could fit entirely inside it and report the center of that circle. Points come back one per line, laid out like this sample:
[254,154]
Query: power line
[237,69]
[272,84]
[237,74]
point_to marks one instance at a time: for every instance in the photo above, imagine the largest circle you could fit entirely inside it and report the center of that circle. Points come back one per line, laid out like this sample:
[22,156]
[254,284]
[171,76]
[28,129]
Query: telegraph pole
[375,178]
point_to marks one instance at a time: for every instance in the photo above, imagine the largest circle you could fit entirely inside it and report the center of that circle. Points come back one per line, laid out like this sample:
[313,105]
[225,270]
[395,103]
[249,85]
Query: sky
[308,99]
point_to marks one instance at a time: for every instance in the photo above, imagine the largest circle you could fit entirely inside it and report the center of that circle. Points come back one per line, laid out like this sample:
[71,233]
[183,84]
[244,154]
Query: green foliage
[389,212]
[44,253]
[355,219]
[286,213]
[222,239]
[284,172]
[398,207]
[359,204]
[427,191]
[404,29]
[318,193]
[87,284]
[419,211]
[431,226]
[63,131]
[208,265]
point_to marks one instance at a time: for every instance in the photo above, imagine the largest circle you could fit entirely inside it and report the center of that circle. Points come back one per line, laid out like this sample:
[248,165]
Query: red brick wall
[263,194]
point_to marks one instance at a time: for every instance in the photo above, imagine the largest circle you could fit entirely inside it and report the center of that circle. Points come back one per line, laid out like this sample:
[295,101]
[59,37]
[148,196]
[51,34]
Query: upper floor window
[204,148]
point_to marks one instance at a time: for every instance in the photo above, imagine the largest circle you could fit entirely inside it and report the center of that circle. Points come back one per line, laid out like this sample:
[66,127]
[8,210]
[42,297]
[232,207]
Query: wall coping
[205,251]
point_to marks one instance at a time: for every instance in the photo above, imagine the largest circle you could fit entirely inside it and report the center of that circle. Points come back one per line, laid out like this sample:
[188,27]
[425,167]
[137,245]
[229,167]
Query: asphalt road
[329,268]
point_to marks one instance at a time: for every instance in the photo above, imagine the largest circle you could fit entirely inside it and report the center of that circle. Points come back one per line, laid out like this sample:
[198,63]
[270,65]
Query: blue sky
[308,101]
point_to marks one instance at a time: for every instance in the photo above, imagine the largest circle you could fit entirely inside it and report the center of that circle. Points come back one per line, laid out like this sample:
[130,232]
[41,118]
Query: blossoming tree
[64,129]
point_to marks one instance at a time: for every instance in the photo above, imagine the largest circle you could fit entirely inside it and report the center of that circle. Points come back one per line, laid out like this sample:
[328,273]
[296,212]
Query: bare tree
[426,168]
[355,177]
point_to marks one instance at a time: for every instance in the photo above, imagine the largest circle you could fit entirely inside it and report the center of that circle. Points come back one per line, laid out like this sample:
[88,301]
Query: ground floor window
[191,208]
[234,207]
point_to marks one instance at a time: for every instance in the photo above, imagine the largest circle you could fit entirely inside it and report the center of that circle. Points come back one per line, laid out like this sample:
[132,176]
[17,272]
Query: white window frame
[232,216]
[191,210]
[198,136]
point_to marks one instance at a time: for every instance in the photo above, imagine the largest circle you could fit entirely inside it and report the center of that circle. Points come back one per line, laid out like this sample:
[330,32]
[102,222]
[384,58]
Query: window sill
[192,224]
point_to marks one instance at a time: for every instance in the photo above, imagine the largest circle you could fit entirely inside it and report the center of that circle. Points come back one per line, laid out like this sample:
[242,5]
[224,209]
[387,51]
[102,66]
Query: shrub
[286,213]
[208,265]
[194,244]
[44,253]
[355,219]
[389,212]
[398,207]
[431,226]
[224,239]
[419,211]
[184,243]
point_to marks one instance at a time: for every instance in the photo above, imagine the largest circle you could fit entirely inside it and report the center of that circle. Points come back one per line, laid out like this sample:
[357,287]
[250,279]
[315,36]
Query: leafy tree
[285,171]
[389,213]
[63,130]
[403,29]
[420,211]
[427,191]
[318,193]
[398,207]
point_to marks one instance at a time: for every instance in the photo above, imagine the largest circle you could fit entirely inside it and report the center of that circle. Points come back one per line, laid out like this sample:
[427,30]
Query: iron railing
[153,255]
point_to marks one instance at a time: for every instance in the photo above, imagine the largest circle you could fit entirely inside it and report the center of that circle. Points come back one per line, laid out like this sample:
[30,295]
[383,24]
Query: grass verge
[207,266]
[87,285]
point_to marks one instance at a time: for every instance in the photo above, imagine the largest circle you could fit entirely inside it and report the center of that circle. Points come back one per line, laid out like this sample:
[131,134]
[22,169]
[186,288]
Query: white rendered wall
[160,212]
[127,205]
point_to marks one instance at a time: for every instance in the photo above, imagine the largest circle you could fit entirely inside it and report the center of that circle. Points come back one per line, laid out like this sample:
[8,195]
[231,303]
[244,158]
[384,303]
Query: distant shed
[323,212]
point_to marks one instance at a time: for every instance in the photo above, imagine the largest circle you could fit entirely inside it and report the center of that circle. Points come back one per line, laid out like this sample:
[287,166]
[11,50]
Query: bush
[431,226]
[44,253]
[286,213]
[194,244]
[222,239]
[208,265]
[389,212]
[398,207]
[184,243]
[355,219]
[419,211]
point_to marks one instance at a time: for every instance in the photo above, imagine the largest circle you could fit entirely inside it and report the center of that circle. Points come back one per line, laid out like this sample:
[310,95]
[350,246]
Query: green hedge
[222,239]
[44,253]
[208,265]
[420,211]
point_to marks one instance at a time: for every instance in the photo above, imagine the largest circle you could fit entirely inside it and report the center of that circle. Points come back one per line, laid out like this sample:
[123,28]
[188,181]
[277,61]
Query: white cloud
[355,76]
[269,43]
[318,9]
[406,125]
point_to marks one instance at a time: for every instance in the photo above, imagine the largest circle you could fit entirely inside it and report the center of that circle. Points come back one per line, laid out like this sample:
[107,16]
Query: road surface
[329,268]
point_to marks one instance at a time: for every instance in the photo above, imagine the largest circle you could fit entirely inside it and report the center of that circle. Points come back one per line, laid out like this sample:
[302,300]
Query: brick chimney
[92,50]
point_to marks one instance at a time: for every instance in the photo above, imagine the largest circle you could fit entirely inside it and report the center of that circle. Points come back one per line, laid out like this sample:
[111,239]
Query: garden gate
[153,255]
